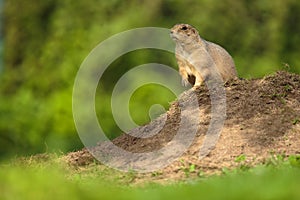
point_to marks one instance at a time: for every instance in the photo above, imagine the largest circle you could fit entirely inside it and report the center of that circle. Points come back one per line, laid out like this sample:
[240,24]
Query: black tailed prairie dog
[199,59]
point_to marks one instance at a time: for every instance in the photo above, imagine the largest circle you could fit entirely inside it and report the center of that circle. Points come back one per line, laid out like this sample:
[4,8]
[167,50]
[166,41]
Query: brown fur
[197,58]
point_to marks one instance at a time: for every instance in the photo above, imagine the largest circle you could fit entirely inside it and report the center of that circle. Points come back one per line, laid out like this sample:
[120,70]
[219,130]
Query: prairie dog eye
[184,28]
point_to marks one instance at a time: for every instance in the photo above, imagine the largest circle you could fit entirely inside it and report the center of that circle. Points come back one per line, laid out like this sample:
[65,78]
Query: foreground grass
[46,180]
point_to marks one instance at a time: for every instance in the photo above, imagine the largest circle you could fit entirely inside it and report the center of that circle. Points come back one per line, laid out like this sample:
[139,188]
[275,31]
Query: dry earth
[263,117]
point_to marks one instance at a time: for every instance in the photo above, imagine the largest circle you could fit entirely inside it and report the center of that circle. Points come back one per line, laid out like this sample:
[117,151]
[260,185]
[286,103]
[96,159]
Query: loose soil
[263,118]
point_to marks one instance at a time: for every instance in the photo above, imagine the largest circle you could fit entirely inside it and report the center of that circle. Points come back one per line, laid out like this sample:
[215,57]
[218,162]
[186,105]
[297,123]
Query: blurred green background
[45,42]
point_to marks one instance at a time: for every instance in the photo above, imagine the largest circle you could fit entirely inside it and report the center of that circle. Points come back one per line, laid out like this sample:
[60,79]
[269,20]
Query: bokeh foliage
[46,41]
[45,178]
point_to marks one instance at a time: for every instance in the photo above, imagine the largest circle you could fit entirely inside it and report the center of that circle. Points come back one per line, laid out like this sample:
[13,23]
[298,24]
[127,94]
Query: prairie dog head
[184,33]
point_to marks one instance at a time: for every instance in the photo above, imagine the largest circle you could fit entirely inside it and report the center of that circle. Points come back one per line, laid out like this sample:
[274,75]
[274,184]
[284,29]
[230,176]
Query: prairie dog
[198,59]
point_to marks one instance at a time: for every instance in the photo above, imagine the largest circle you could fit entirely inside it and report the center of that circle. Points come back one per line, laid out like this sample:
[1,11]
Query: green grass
[277,179]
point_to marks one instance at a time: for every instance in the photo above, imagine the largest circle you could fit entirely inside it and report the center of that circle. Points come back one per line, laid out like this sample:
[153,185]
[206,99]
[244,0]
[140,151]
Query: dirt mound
[263,117]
